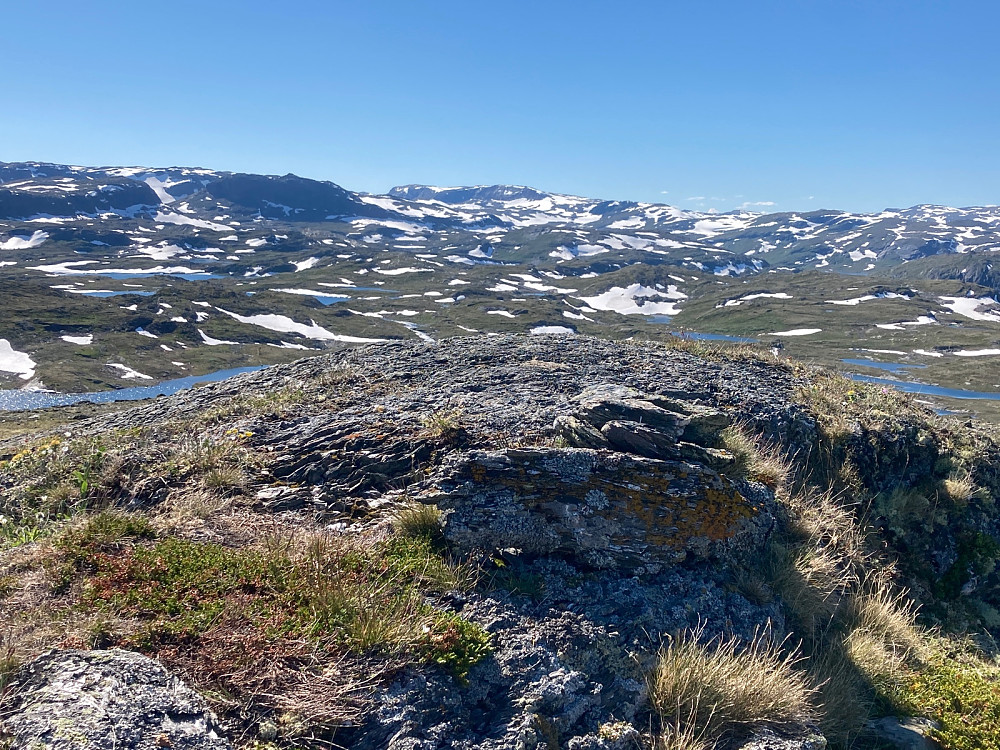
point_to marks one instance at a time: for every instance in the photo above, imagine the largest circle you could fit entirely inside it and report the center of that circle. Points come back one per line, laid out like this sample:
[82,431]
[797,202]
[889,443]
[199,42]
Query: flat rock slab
[95,700]
[604,509]
[906,733]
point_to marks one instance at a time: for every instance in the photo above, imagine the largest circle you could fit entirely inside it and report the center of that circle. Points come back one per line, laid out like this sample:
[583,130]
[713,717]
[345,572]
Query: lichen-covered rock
[605,509]
[579,434]
[768,739]
[95,700]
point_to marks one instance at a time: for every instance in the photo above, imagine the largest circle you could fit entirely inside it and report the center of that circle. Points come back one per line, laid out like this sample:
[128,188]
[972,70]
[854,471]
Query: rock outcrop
[587,482]
[95,700]
[604,509]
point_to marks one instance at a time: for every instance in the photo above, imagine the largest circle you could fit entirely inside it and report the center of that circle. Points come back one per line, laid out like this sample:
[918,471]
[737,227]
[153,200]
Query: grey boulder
[92,700]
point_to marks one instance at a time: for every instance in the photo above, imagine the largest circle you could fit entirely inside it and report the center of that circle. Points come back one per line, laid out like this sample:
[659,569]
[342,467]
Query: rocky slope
[534,517]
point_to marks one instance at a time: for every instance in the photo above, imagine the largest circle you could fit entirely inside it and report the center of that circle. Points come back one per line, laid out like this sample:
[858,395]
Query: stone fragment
[579,434]
[705,423]
[635,437]
[911,733]
[790,739]
[276,499]
[93,700]
[598,412]
[714,458]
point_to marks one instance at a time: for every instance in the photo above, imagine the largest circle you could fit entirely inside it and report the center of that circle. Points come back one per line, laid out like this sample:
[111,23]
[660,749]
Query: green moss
[455,644]
[963,698]
[977,555]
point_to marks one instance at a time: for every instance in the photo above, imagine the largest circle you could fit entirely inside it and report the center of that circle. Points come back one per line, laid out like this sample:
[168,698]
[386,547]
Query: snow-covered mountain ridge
[34,192]
[112,274]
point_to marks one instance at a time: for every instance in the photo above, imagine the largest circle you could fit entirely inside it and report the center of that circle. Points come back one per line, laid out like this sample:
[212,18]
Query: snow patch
[127,373]
[284,324]
[551,331]
[968,307]
[16,362]
[79,340]
[637,299]
[24,243]
[796,332]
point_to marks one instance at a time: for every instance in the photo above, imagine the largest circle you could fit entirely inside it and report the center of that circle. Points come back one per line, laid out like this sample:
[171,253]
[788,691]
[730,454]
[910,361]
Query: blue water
[119,294]
[21,400]
[924,388]
[894,367]
[695,336]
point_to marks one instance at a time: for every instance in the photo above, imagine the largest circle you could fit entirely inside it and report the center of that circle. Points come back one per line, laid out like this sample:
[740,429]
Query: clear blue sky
[802,103]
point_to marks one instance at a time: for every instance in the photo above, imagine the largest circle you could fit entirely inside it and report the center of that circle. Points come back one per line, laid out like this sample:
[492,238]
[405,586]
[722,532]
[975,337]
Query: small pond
[925,389]
[137,292]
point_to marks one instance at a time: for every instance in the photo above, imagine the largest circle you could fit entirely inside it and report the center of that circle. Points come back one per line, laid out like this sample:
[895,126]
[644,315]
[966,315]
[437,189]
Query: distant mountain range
[170,271]
[751,241]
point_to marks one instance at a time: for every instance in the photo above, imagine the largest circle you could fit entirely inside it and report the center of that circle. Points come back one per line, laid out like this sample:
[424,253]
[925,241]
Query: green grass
[419,521]
[445,426]
[963,696]
[363,599]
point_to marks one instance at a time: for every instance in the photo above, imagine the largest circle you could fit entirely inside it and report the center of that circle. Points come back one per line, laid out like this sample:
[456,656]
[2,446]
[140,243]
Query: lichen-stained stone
[604,509]
[579,434]
[97,700]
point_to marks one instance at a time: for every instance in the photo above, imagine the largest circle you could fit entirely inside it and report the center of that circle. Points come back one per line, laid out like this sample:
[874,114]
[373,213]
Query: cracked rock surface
[96,700]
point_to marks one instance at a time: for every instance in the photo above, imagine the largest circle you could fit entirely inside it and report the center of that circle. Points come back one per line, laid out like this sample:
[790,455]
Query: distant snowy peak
[474,194]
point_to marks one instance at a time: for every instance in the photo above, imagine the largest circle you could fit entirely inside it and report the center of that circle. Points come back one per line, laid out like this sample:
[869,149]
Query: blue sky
[776,106]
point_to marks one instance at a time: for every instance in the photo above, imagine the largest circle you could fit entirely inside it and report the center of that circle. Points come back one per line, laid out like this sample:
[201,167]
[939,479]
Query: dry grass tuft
[9,664]
[445,426]
[225,480]
[710,691]
[960,488]
[884,636]
[756,459]
[813,584]
[419,521]
[822,519]
[681,732]
[844,696]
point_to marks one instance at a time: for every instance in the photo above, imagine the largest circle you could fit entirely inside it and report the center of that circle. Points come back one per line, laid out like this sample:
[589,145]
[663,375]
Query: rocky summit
[504,542]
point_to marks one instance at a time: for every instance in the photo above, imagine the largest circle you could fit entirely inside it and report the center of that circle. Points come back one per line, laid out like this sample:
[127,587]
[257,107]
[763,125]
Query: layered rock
[605,509]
